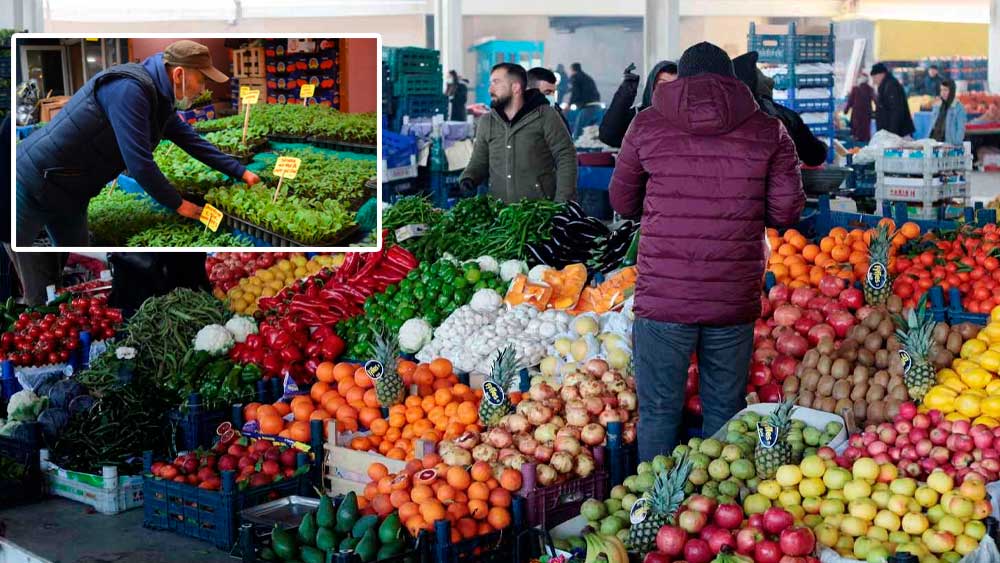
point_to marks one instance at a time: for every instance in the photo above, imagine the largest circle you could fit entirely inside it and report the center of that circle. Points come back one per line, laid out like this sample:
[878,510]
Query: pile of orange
[475,501]
[439,374]
[796,262]
[444,414]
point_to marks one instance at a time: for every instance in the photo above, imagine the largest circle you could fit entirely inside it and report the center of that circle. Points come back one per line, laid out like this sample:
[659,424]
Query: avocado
[347,513]
[326,539]
[389,549]
[363,525]
[348,543]
[311,555]
[284,543]
[367,548]
[307,530]
[388,531]
[326,517]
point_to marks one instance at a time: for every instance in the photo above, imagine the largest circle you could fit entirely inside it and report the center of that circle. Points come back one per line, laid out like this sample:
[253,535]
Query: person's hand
[630,76]
[250,178]
[189,210]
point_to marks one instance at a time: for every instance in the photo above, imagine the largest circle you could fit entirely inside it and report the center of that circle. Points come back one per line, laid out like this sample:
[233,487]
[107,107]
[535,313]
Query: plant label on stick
[307,91]
[244,90]
[285,167]
[249,100]
[210,217]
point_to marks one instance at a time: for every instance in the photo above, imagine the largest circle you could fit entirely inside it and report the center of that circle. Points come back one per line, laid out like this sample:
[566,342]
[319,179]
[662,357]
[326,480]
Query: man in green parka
[522,146]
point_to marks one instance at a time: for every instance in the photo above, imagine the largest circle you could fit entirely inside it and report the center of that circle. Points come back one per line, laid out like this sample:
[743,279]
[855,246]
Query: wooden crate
[346,470]
[253,84]
[249,62]
[52,105]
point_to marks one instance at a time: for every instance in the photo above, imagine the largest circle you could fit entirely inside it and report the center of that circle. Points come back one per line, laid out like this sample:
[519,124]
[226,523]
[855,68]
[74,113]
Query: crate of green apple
[37,339]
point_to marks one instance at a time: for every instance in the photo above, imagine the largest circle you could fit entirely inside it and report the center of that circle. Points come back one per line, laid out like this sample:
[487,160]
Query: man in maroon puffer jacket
[708,171]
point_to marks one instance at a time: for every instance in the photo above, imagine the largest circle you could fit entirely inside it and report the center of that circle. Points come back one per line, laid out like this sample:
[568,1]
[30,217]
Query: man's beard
[501,103]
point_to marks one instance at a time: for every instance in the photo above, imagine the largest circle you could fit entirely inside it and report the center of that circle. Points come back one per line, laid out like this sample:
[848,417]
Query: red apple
[670,540]
[797,541]
[767,551]
[747,538]
[697,551]
[776,520]
[692,521]
[719,539]
[728,516]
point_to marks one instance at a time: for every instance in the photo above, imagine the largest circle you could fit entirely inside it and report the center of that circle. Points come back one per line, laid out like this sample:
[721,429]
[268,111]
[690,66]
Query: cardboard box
[52,105]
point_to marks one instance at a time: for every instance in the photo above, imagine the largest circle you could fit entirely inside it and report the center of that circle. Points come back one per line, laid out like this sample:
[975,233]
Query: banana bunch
[611,547]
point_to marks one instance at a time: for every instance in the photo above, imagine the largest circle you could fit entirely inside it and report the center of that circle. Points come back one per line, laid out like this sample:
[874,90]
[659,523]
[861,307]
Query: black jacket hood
[647,92]
[533,99]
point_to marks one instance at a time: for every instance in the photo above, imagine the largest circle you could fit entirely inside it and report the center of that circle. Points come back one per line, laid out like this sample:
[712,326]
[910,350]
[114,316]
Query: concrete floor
[63,531]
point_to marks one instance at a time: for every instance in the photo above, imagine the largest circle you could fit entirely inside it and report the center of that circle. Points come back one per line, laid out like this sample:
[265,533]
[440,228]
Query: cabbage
[65,391]
[53,421]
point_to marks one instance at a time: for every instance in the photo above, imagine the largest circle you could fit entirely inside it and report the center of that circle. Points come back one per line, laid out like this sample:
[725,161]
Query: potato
[824,364]
[825,386]
[841,389]
[840,369]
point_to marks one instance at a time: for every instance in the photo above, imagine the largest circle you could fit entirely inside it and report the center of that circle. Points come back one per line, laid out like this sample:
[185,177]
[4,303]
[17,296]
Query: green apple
[618,491]
[951,524]
[742,469]
[857,489]
[961,507]
[662,463]
[881,498]
[812,520]
[729,488]
[899,538]
[904,486]
[926,496]
[845,544]
[936,513]
[711,447]
[756,504]
[813,466]
[731,453]
[836,478]
[862,546]
[698,476]
[877,554]
[975,530]
[877,533]
[831,507]
[613,505]
[811,505]
[629,500]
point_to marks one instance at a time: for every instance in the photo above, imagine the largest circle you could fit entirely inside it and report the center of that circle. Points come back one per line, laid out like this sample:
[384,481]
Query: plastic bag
[33,377]
[881,140]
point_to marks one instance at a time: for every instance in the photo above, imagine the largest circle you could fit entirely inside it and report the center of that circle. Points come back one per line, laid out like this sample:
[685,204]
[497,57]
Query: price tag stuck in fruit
[287,167]
[211,217]
[407,232]
[307,91]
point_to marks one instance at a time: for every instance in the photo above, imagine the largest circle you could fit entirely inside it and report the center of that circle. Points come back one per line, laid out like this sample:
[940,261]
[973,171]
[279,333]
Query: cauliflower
[241,327]
[25,406]
[488,264]
[214,339]
[414,335]
[537,272]
[509,269]
[485,300]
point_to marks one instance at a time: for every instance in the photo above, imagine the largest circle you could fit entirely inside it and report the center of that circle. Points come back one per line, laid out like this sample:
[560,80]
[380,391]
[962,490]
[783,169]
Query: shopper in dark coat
[932,81]
[458,92]
[860,103]
[892,113]
[811,151]
[586,98]
[620,113]
[546,82]
[708,171]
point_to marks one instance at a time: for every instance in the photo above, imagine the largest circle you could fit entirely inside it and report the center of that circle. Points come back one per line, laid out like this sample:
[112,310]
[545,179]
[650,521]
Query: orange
[367,415]
[498,518]
[318,389]
[432,511]
[500,497]
[326,372]
[266,410]
[840,253]
[415,524]
[510,480]
[405,367]
[467,413]
[457,511]
[823,259]
[478,509]
[382,504]
[371,489]
[344,370]
[299,431]
[370,398]
[397,420]
[458,477]
[481,471]
[428,403]
[888,222]
[319,414]
[786,250]
[250,411]
[445,493]
[467,527]
[300,399]
[361,379]
[414,414]
[423,375]
[346,412]
[408,510]
[344,385]
[780,271]
[479,491]
[798,270]
[857,257]
[398,498]
[376,471]
[355,397]
[798,241]
[379,426]
[838,232]
[430,460]
[271,424]
[826,244]
[810,252]
[385,485]
[441,367]
[910,230]
[395,453]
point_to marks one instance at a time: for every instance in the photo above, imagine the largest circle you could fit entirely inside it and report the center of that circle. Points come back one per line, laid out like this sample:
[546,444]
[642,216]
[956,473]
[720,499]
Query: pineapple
[768,460]
[877,282]
[389,388]
[916,341]
[496,385]
[662,501]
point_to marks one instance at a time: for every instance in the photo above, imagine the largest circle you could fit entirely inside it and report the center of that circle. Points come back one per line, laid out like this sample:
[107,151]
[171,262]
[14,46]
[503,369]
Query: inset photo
[160,142]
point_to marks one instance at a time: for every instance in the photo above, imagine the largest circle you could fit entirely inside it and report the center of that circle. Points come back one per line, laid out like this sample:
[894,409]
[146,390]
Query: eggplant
[575,210]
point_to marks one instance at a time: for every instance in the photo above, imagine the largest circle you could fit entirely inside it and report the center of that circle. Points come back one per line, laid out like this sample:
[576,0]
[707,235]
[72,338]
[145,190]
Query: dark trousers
[662,356]
[64,229]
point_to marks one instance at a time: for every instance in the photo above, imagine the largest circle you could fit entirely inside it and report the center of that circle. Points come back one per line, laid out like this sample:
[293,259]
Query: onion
[569,393]
[577,416]
[457,456]
[591,388]
[570,431]
[517,423]
[541,392]
[595,367]
[499,438]
[574,379]
[852,298]
[610,401]
[467,440]
[562,462]
[609,415]
[540,414]
[817,333]
[525,444]
[617,386]
[592,434]
[485,452]
[611,376]
[624,415]
[801,296]
[594,405]
[792,345]
[841,321]
[505,453]
[546,432]
[779,294]
[783,366]
[543,453]
[831,286]
[515,461]
[627,400]
[567,444]
[524,406]
[584,466]
[546,475]
[558,421]
[786,315]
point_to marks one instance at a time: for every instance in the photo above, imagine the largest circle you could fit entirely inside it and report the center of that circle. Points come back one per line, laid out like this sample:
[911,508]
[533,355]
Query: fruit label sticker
[210,217]
[287,167]
[878,276]
[493,393]
[767,435]
[904,357]
[639,512]
[307,90]
[374,369]
[400,478]
[407,232]
[251,98]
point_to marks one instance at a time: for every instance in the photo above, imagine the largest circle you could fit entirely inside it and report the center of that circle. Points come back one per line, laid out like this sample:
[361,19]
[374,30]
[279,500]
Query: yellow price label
[210,217]
[251,98]
[244,90]
[307,90]
[287,167]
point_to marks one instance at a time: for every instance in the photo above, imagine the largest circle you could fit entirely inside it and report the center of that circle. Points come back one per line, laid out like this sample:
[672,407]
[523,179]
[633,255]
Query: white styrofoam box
[10,552]
[812,417]
[107,493]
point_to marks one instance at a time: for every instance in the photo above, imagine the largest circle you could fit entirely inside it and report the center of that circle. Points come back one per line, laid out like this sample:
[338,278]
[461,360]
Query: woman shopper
[861,103]
[708,171]
[948,116]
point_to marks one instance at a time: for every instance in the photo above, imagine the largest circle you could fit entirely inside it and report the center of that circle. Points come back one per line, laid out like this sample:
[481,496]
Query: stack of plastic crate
[412,84]
[802,69]
[926,178]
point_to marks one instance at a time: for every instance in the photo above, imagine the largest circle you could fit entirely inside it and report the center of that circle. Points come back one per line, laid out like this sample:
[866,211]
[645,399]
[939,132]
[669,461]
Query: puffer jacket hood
[705,104]
[647,91]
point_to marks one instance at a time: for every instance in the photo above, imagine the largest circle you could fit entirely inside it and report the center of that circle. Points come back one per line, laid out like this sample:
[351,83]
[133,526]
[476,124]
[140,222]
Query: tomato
[904,290]
[927,258]
[903,264]
[981,293]
[987,305]
[977,273]
[925,283]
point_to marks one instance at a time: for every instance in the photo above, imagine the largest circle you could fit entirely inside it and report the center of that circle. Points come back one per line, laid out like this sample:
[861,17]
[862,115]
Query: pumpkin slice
[567,284]
[523,291]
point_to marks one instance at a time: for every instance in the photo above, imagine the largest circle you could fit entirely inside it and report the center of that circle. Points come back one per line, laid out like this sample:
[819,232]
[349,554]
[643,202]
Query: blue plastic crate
[397,149]
[495,547]
[196,427]
[957,313]
[417,106]
[417,85]
[596,203]
[210,516]
[411,60]
[790,48]
[793,80]
[811,105]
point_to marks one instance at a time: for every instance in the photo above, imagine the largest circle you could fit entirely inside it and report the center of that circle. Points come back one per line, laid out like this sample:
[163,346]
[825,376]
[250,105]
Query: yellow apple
[864,509]
[940,481]
[915,524]
[887,473]
[811,505]
[888,520]
[813,466]
[770,489]
[926,496]
[965,545]
[857,488]
[853,526]
[905,486]
[788,475]
[876,533]
[973,489]
[881,498]
[975,530]
[836,478]
[961,507]
[789,498]
[951,525]
[831,507]
[865,468]
[899,504]
[827,535]
[812,487]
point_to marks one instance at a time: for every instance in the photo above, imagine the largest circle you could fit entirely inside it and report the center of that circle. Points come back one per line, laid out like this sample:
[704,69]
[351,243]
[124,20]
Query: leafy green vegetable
[303,121]
[114,216]
[182,233]
[189,176]
[230,141]
[321,177]
[308,222]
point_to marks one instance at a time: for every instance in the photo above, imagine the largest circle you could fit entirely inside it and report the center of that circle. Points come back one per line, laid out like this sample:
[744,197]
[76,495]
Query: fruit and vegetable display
[226,269]
[37,340]
[271,273]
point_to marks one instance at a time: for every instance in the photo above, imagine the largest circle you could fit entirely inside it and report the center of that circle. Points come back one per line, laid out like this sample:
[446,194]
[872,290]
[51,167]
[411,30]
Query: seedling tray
[275,239]
[337,145]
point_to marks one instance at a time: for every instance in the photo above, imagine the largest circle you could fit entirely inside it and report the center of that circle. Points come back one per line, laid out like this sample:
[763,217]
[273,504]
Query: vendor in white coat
[948,116]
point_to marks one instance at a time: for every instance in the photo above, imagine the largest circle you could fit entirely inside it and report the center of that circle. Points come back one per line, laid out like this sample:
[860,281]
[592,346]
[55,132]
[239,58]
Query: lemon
[955,384]
[991,332]
[995,314]
[971,349]
[941,398]
[989,360]
[954,417]
[993,387]
[987,420]
[946,372]
[961,366]
[968,405]
[977,378]
[990,406]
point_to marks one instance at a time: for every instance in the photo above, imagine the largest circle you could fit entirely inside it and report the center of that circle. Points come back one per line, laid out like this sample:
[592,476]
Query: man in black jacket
[811,151]
[892,112]
[545,81]
[583,95]
[619,115]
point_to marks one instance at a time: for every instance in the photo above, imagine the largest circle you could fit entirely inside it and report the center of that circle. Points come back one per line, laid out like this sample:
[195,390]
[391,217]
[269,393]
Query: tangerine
[441,367]
[271,424]
[326,372]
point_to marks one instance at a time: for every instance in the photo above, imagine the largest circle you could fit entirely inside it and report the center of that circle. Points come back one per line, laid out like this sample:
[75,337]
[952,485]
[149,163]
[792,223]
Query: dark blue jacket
[5,157]
[112,124]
